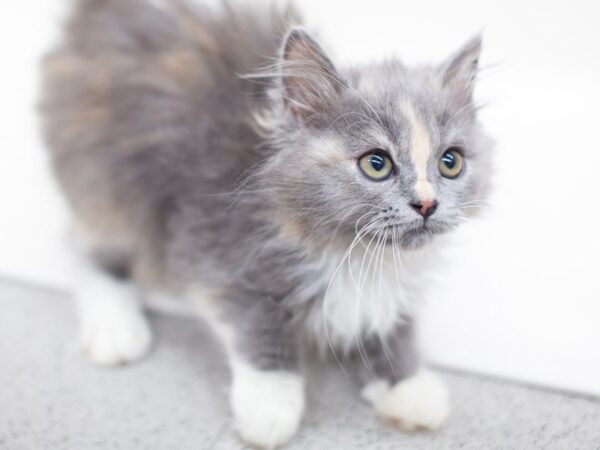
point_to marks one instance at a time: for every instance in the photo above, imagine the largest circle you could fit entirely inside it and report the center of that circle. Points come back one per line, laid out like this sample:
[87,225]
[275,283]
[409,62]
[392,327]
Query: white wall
[520,298]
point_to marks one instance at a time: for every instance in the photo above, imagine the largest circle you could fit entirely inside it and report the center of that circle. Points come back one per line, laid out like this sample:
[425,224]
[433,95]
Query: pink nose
[425,207]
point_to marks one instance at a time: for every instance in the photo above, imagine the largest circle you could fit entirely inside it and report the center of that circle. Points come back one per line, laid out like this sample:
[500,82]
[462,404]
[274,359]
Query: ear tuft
[460,71]
[309,78]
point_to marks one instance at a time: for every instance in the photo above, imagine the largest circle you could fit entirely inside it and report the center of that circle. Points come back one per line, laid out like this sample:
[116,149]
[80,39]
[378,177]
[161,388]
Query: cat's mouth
[409,235]
[414,234]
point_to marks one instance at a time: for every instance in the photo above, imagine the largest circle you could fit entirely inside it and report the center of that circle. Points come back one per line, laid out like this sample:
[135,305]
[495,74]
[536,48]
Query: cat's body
[242,196]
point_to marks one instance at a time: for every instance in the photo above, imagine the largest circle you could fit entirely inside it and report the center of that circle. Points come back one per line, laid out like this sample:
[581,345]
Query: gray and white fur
[210,156]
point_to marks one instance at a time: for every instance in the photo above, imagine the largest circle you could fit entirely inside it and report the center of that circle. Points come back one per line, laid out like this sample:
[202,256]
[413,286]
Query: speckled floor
[51,398]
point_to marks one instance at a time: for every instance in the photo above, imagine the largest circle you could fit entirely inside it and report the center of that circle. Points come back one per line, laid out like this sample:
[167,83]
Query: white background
[521,295]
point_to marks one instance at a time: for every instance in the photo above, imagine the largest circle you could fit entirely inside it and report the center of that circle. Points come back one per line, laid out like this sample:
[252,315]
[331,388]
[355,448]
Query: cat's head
[376,148]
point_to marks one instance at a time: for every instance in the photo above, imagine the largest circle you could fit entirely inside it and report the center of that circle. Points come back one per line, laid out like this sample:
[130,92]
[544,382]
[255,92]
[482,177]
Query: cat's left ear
[310,80]
[460,70]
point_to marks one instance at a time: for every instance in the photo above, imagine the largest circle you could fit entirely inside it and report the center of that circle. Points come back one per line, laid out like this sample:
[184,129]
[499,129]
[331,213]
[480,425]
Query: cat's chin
[416,238]
[422,234]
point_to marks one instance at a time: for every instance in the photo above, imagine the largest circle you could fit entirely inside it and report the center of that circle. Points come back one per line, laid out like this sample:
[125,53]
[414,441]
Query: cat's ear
[309,78]
[460,70]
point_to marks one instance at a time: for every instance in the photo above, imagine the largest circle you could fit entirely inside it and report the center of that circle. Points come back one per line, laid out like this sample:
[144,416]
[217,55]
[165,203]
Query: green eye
[376,165]
[451,163]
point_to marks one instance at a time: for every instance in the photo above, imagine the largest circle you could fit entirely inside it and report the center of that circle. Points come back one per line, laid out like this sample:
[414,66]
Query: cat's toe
[417,402]
[116,339]
[267,406]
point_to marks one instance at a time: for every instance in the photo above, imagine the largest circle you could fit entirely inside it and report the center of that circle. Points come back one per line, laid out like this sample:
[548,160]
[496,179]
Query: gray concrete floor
[51,398]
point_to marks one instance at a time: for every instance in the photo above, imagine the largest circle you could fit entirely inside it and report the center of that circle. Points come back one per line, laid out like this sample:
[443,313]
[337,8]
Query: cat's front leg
[267,404]
[267,387]
[401,391]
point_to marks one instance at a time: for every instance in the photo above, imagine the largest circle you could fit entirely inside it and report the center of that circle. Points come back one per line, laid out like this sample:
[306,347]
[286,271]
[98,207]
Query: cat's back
[142,101]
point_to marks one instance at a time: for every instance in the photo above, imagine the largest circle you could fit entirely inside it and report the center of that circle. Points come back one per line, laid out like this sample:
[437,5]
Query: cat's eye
[376,165]
[451,163]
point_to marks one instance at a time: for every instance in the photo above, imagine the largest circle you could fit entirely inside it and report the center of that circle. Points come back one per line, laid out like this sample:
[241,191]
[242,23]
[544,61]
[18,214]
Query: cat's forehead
[388,84]
[385,104]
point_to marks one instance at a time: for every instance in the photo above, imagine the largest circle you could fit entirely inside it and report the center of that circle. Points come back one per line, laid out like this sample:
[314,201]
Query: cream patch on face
[420,152]
[327,150]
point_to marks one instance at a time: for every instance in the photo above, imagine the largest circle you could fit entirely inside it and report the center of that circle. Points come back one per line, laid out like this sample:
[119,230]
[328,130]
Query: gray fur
[191,137]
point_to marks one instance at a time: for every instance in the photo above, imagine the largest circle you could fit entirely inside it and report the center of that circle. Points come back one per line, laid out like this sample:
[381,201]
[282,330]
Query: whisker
[359,236]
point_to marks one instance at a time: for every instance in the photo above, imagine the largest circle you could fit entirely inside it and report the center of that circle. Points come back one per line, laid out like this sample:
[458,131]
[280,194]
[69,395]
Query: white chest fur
[366,294]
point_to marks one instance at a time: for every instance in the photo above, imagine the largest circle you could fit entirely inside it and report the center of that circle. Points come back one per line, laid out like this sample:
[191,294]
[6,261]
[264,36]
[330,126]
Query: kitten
[221,158]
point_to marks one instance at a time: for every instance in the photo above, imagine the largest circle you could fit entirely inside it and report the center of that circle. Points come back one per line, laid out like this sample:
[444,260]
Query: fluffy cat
[218,157]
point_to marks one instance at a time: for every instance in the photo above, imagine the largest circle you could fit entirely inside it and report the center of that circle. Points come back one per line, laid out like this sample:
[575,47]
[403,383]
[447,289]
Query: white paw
[418,402]
[115,334]
[267,406]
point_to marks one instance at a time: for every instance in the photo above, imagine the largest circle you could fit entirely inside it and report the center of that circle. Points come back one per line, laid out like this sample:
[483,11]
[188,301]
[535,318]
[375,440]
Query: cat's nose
[426,207]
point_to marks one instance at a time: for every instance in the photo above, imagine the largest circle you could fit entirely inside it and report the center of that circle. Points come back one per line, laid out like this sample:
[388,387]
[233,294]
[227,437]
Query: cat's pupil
[377,162]
[449,160]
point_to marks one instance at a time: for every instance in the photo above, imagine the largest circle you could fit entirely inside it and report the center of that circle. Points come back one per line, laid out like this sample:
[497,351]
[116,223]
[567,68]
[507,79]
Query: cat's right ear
[309,78]
[460,71]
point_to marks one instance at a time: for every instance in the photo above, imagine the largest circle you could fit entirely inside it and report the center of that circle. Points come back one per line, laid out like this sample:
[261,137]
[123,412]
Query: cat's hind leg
[113,326]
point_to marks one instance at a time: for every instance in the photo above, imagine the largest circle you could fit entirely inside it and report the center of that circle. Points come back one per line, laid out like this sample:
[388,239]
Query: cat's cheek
[267,405]
[417,402]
